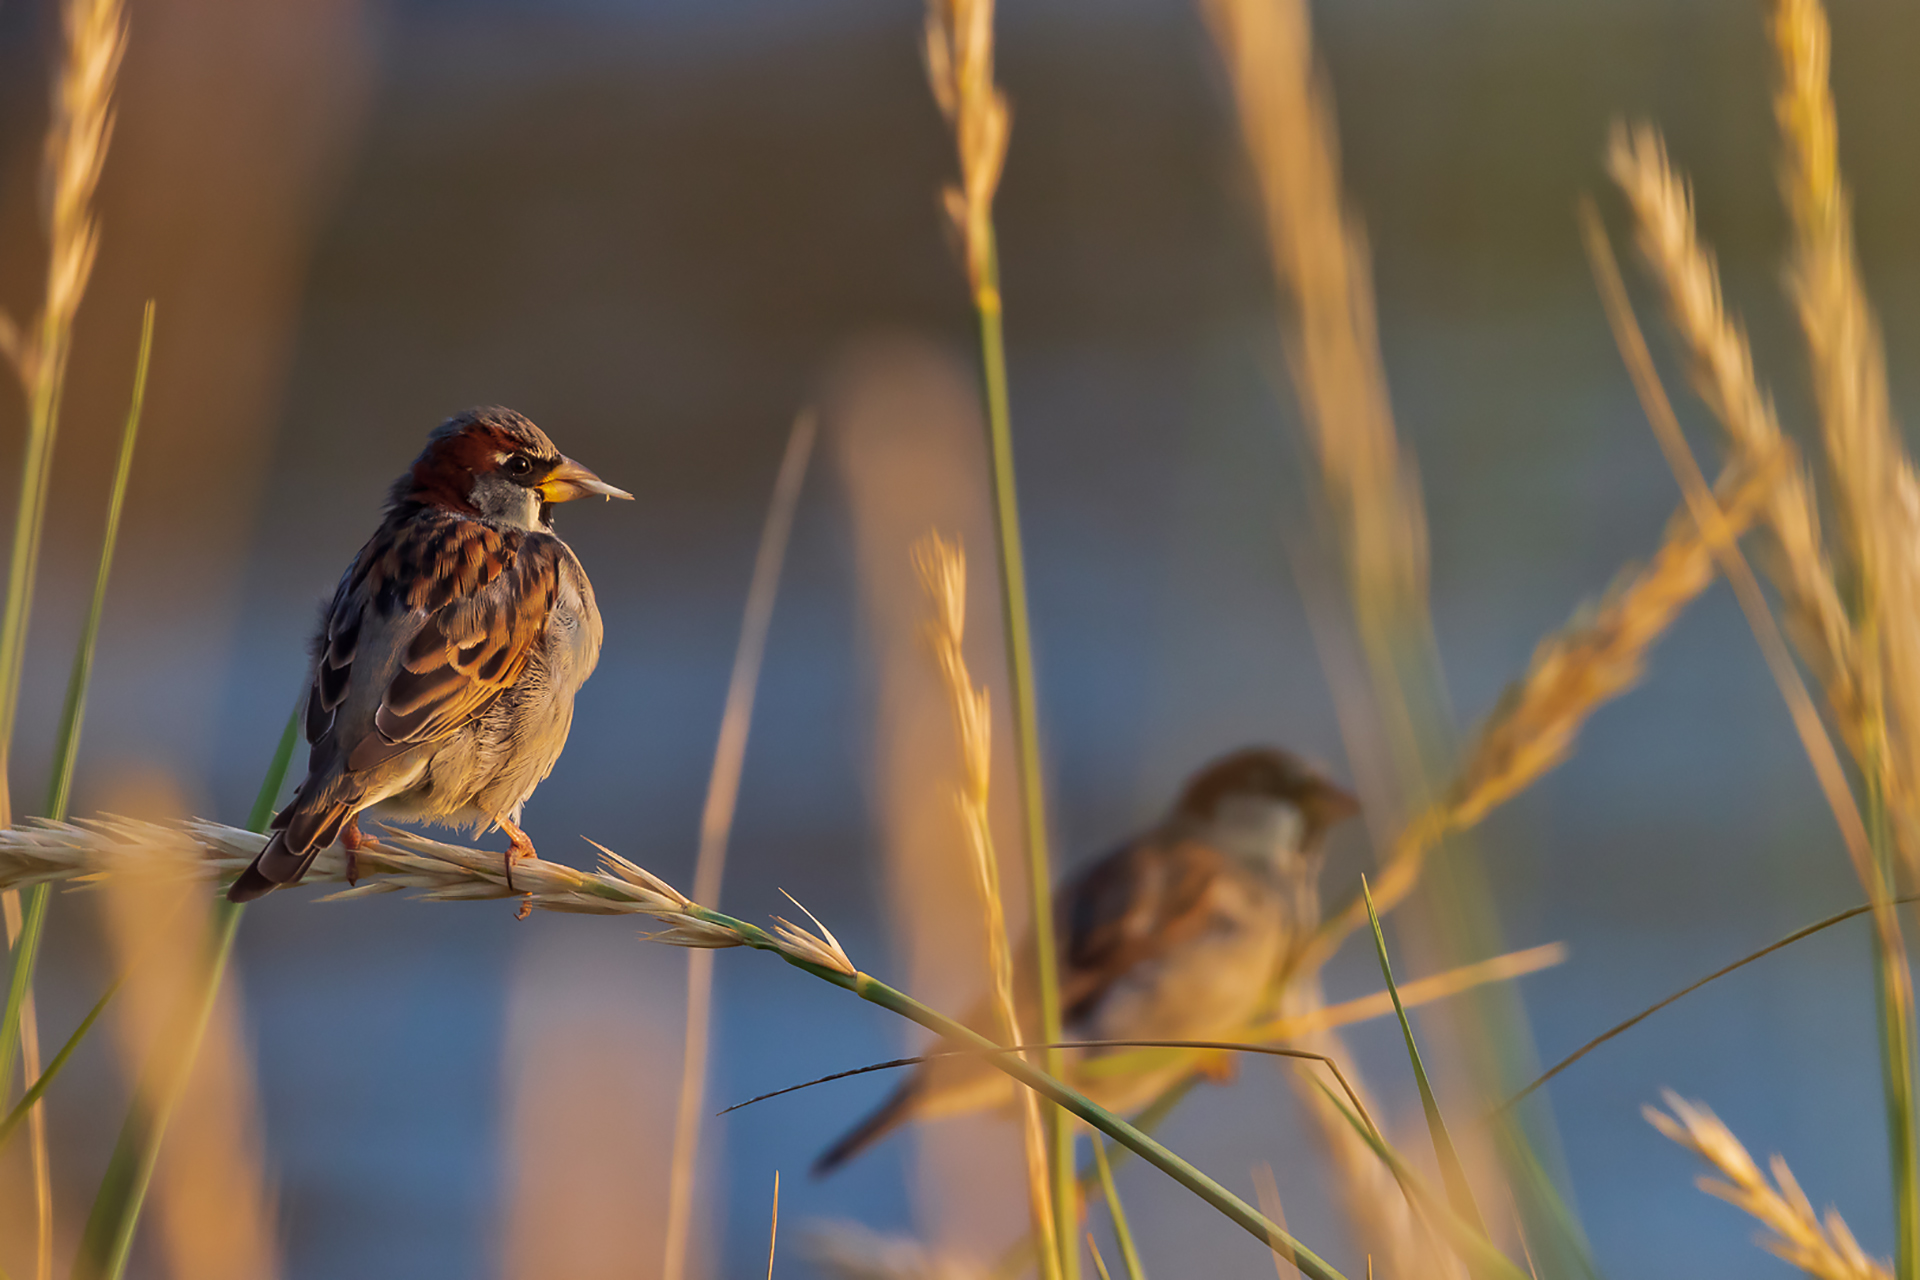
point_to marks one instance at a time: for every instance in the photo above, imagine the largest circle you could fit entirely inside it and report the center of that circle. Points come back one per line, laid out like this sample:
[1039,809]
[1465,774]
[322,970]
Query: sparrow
[446,665]
[1179,934]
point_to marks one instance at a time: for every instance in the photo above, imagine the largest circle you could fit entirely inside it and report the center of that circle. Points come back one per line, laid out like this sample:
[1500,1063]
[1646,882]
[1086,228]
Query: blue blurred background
[659,229]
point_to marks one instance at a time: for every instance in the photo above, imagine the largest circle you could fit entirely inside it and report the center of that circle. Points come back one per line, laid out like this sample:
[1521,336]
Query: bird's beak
[1333,804]
[570,480]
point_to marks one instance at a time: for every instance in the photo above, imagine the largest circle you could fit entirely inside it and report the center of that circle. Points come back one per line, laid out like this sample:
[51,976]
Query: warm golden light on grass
[1830,515]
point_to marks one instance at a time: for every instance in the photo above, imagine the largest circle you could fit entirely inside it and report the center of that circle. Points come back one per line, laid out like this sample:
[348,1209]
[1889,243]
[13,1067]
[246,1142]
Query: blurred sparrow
[446,666]
[1178,935]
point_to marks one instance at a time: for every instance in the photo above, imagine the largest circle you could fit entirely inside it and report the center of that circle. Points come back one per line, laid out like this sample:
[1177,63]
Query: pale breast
[488,769]
[1212,984]
[536,715]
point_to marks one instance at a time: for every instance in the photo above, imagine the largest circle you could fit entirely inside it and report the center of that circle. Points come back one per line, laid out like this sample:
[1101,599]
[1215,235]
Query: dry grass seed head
[1720,366]
[1819,1246]
[1869,473]
[959,52]
[1320,256]
[76,152]
[1598,656]
[822,949]
[942,567]
[86,852]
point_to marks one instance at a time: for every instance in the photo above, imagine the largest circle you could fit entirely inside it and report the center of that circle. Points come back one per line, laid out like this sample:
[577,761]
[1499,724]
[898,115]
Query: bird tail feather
[300,832]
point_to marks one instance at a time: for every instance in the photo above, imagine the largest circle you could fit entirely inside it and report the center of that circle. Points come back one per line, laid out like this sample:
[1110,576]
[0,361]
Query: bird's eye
[518,465]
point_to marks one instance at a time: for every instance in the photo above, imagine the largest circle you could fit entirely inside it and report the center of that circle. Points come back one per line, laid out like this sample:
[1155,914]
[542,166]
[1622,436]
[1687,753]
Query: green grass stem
[26,949]
[1014,1260]
[39,1087]
[73,714]
[1471,1244]
[1452,1174]
[1026,719]
[107,1239]
[262,811]
[30,516]
[1893,995]
[26,953]
[874,991]
[1122,1230]
[1099,1263]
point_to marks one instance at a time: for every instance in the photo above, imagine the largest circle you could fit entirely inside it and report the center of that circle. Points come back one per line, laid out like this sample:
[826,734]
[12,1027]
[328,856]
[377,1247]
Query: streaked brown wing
[470,602]
[1130,908]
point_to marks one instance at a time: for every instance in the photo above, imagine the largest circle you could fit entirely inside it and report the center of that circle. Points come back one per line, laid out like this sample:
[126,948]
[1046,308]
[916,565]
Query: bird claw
[352,841]
[518,846]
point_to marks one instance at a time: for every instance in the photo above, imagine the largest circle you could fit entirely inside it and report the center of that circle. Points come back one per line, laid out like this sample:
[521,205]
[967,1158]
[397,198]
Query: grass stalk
[1470,1243]
[73,714]
[1869,842]
[94,38]
[1719,365]
[106,1240]
[1099,1263]
[39,1087]
[450,872]
[959,54]
[1839,917]
[1122,1229]
[26,951]
[1013,587]
[1067,1099]
[1439,986]
[942,568]
[1873,484]
[1452,1174]
[1821,1246]
[1893,993]
[27,946]
[716,823]
[17,1024]
[1373,503]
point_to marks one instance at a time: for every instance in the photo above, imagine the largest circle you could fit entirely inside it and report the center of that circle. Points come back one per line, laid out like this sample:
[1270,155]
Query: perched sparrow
[445,668]
[1177,935]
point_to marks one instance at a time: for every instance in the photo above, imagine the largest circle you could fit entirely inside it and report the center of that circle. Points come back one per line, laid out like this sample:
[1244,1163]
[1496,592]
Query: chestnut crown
[1267,773]
[495,464]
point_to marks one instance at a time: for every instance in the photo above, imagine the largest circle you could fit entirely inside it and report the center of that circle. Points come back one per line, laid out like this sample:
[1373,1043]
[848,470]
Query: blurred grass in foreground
[1850,596]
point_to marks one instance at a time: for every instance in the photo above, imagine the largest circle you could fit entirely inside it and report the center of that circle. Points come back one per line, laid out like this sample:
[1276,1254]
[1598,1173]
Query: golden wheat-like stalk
[78,132]
[959,52]
[1720,366]
[1319,255]
[1819,1246]
[81,126]
[942,567]
[1869,473]
[96,39]
[1598,656]
[43,852]
[1841,330]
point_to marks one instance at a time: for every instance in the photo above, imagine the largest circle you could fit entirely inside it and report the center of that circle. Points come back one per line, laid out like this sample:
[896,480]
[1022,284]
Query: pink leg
[353,840]
[518,846]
